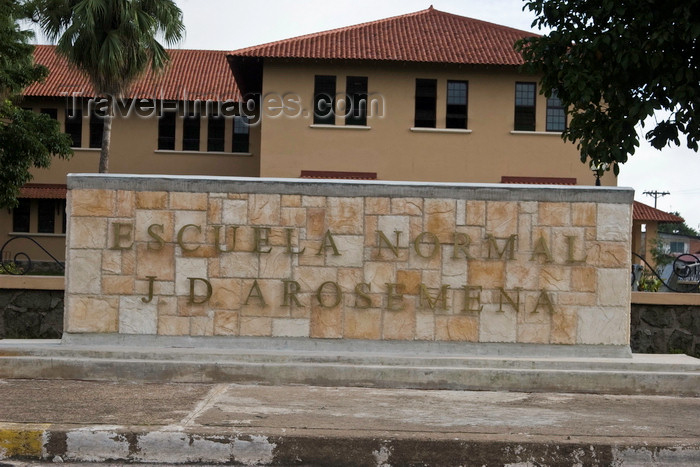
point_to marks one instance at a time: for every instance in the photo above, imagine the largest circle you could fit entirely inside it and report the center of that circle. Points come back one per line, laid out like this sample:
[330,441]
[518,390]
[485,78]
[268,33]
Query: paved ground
[224,423]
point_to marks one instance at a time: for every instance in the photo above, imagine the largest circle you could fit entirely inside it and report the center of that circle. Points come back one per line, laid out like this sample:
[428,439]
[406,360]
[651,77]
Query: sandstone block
[380,206]
[234,212]
[554,214]
[457,328]
[88,232]
[291,201]
[151,200]
[407,206]
[614,221]
[255,326]
[188,201]
[346,216]
[92,202]
[173,325]
[92,314]
[326,323]
[440,218]
[290,327]
[137,317]
[84,272]
[225,323]
[363,324]
[502,218]
[264,209]
[497,326]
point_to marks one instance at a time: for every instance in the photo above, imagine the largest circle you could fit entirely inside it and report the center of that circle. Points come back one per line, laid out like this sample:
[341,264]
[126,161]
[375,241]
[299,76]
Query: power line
[656,194]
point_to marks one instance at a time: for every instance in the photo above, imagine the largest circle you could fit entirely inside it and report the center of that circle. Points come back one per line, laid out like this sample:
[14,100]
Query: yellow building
[424,96]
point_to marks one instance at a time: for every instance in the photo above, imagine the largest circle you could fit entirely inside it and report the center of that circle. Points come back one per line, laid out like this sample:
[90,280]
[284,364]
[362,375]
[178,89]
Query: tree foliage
[112,41]
[678,229]
[27,139]
[614,64]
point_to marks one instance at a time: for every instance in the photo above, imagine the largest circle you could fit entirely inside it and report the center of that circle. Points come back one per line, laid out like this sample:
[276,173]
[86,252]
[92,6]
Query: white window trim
[201,153]
[340,127]
[35,234]
[440,130]
[548,133]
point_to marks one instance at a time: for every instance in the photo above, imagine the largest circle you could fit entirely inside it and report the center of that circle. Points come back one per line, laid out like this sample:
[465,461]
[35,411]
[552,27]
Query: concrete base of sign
[497,367]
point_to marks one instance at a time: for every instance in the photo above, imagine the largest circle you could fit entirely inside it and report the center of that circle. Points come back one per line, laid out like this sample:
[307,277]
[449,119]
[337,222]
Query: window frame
[73,125]
[97,126]
[46,216]
[24,209]
[240,141]
[324,89]
[425,105]
[357,96]
[216,133]
[525,117]
[167,128]
[555,112]
[191,131]
[457,114]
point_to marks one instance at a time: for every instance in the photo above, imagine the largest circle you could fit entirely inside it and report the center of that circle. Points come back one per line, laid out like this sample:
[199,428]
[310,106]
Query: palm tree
[112,41]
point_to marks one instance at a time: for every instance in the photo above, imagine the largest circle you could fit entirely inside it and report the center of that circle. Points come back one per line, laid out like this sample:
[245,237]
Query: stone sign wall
[360,260]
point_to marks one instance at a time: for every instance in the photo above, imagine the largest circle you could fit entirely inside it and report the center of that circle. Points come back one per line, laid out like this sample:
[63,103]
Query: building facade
[424,96]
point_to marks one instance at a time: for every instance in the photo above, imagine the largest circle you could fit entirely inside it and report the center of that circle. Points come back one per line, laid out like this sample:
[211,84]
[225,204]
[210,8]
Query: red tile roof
[191,75]
[539,180]
[338,175]
[43,191]
[425,36]
[642,212]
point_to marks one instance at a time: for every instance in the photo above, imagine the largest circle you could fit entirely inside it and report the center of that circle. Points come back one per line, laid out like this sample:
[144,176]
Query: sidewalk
[81,421]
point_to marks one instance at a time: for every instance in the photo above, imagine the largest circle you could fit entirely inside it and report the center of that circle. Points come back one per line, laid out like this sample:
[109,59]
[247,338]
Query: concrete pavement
[216,423]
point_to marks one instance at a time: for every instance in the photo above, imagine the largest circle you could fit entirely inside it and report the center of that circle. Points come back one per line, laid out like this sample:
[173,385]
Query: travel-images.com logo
[323,109]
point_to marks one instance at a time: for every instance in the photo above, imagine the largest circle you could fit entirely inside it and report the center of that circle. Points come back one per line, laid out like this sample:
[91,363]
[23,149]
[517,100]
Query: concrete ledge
[665,298]
[294,345]
[641,374]
[311,187]
[8,281]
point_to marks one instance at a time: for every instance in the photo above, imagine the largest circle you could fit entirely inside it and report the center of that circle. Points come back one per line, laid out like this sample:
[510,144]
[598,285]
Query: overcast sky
[231,24]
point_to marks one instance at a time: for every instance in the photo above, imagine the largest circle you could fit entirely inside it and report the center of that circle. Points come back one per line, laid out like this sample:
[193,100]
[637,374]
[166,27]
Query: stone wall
[31,314]
[381,261]
[666,329]
[657,329]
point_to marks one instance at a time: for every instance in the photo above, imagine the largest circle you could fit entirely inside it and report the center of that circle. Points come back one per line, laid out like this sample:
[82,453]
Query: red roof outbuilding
[642,212]
[190,75]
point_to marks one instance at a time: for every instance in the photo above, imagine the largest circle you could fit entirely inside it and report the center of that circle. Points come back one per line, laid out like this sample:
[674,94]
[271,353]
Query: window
[74,126]
[241,134]
[190,132]
[556,115]
[457,104]
[166,129]
[47,216]
[525,106]
[356,102]
[53,113]
[426,96]
[216,128]
[677,247]
[324,100]
[42,211]
[97,125]
[20,216]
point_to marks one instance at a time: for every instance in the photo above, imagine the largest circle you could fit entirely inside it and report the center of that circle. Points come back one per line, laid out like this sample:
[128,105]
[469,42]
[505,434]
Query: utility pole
[656,195]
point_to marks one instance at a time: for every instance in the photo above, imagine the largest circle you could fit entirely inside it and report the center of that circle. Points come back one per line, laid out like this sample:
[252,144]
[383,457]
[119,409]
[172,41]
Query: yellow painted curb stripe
[14,443]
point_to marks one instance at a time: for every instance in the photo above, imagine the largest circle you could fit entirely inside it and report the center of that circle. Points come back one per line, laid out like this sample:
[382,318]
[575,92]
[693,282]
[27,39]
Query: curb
[173,445]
